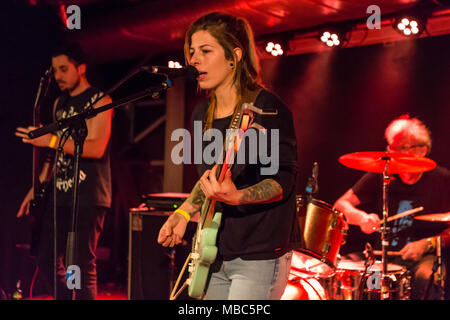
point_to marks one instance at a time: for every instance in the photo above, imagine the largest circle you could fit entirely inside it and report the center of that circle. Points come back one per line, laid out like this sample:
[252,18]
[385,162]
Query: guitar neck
[229,152]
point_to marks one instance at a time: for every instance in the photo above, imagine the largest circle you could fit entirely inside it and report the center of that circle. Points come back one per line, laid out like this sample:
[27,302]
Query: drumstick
[389,253]
[403,214]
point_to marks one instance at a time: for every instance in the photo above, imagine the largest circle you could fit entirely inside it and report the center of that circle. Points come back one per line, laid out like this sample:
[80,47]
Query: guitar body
[203,255]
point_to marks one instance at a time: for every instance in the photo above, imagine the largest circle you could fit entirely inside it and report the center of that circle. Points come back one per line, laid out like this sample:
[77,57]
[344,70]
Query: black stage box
[152,268]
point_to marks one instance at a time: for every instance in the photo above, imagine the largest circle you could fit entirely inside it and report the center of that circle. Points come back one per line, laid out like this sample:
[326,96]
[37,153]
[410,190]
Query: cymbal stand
[384,234]
[437,267]
[439,260]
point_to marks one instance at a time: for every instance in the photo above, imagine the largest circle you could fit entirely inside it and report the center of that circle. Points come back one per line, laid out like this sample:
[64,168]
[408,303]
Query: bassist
[255,236]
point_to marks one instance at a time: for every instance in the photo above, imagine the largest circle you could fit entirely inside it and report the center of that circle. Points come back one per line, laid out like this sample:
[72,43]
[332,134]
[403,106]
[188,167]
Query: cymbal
[375,161]
[435,217]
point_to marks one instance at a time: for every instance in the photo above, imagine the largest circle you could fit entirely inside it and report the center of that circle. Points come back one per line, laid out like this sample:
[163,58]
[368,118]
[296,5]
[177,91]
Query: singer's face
[208,56]
[67,75]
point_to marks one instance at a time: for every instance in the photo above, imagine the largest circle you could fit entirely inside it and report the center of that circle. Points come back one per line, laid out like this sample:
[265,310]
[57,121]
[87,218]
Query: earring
[231,64]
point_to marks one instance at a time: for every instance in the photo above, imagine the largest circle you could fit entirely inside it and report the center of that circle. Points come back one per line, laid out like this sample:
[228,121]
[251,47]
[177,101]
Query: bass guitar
[40,189]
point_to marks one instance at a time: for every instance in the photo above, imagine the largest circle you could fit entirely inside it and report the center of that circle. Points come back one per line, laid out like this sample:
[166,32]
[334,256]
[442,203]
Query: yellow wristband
[53,141]
[183,213]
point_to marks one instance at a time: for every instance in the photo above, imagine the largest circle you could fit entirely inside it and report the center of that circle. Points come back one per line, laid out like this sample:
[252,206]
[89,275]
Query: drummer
[413,240]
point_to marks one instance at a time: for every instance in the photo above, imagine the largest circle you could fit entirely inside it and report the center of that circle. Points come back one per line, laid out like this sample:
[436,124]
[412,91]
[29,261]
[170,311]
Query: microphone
[190,71]
[315,175]
[312,187]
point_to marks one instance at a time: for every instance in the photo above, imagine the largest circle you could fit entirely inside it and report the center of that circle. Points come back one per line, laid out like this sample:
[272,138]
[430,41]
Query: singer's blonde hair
[230,32]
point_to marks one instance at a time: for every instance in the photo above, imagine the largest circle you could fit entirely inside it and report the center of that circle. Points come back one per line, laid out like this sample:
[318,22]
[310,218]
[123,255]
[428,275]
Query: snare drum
[351,283]
[324,230]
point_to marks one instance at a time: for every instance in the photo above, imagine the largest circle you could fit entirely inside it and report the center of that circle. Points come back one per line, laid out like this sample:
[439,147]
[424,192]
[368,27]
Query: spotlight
[274,49]
[330,38]
[409,26]
[174,64]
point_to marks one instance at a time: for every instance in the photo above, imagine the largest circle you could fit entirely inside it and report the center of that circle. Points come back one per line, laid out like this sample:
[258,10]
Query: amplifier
[168,201]
[152,268]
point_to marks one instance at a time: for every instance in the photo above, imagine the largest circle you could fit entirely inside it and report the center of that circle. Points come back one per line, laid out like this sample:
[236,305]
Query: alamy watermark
[73,277]
[374,20]
[374,281]
[73,17]
[260,149]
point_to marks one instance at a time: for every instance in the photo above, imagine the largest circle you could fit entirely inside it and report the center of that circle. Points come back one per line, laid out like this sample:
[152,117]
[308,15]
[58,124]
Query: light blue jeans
[249,279]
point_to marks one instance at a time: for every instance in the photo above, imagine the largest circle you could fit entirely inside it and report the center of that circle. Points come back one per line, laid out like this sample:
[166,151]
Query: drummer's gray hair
[410,126]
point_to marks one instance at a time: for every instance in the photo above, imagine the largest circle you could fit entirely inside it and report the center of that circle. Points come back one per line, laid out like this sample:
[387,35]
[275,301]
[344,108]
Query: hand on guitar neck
[224,191]
[266,191]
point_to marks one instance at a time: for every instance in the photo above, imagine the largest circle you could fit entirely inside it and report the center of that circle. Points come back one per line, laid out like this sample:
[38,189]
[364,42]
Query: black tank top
[95,174]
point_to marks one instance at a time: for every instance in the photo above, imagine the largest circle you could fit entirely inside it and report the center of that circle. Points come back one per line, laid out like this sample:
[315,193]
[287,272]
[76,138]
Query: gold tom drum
[324,230]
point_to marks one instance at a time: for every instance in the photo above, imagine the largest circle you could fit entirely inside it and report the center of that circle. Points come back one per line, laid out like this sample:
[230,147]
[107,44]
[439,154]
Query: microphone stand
[79,133]
[77,125]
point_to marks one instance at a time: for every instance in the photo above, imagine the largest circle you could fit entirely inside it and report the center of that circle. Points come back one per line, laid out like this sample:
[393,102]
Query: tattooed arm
[265,191]
[195,200]
[268,190]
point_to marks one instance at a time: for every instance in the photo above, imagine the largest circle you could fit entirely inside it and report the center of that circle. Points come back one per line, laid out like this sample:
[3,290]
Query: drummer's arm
[348,203]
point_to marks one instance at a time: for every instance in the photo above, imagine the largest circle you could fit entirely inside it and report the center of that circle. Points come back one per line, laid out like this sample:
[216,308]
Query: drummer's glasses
[404,148]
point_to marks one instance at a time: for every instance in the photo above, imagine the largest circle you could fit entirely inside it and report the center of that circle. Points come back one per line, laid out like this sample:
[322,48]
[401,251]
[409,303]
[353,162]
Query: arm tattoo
[265,191]
[196,197]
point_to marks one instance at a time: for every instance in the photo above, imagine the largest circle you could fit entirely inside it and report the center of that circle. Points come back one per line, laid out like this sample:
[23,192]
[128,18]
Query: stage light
[174,64]
[410,26]
[274,49]
[330,38]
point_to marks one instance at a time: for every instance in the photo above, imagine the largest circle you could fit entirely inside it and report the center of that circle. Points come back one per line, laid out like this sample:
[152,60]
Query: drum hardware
[437,266]
[369,261]
[321,227]
[387,163]
[353,281]
[312,186]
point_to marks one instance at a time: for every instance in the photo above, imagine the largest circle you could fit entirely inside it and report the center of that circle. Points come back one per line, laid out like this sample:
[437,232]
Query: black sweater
[260,231]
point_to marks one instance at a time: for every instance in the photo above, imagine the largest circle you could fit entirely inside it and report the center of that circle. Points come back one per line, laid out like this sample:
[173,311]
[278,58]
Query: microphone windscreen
[191,72]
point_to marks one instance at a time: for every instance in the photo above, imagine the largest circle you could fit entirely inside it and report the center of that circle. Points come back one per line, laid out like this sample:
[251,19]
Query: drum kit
[318,273]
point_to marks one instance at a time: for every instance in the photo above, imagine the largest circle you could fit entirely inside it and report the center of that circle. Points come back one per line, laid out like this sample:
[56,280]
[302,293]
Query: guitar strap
[249,96]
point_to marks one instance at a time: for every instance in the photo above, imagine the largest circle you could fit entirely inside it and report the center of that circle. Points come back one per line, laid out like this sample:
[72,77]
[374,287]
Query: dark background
[341,101]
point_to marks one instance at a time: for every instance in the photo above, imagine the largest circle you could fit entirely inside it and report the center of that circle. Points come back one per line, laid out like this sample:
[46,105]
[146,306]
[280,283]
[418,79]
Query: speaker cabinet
[152,268]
